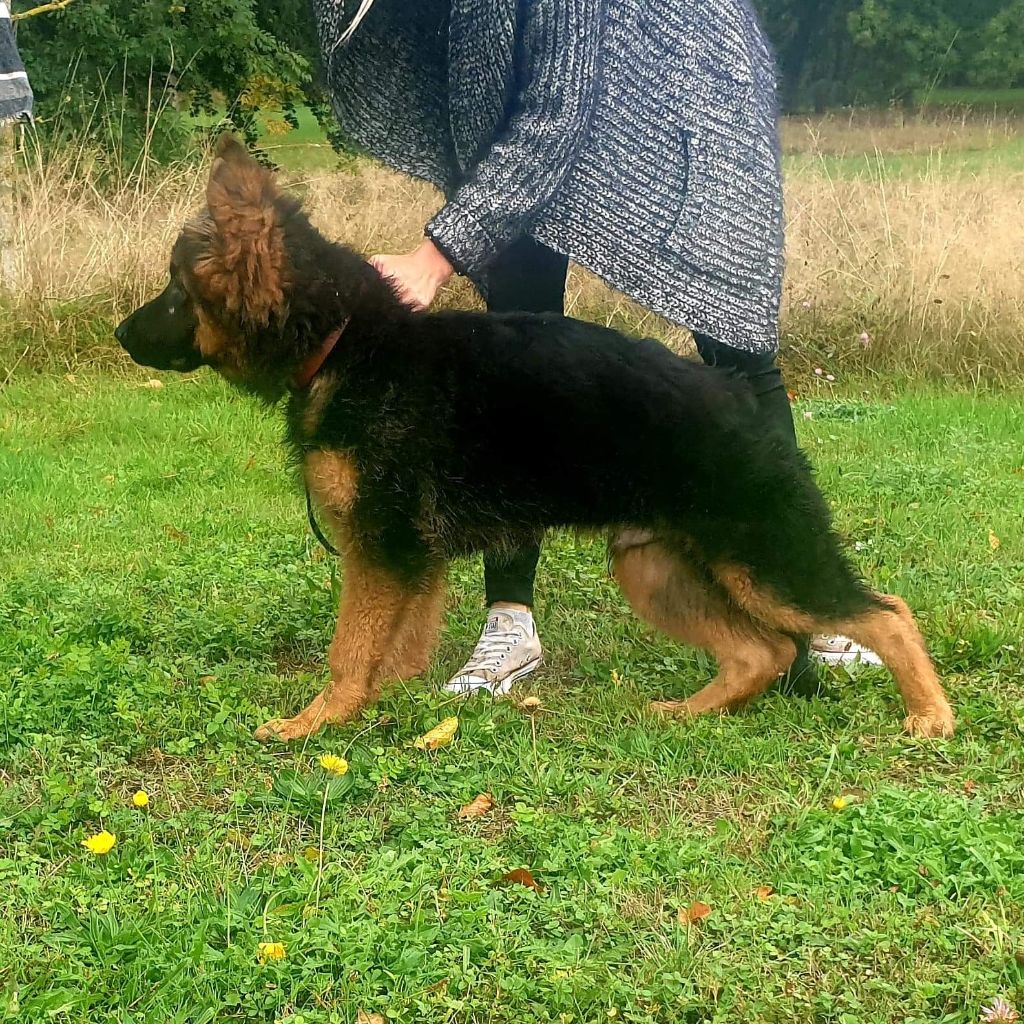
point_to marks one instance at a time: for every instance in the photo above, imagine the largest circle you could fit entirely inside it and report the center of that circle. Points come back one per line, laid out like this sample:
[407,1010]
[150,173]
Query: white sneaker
[508,650]
[841,650]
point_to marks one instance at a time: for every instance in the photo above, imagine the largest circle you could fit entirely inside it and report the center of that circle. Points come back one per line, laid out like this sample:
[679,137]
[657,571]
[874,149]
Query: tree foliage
[999,53]
[105,66]
[871,51]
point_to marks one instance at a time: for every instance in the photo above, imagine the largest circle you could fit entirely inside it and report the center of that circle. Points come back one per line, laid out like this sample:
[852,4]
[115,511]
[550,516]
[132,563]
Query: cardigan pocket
[722,178]
[708,95]
[691,151]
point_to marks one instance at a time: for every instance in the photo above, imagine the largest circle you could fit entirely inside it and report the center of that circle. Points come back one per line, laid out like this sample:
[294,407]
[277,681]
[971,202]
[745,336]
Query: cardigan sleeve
[529,159]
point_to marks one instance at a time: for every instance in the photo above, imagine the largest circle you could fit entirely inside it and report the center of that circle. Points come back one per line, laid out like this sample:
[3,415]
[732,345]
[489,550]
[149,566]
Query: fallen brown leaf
[175,534]
[695,912]
[970,786]
[362,1017]
[520,876]
[993,541]
[481,805]
[764,892]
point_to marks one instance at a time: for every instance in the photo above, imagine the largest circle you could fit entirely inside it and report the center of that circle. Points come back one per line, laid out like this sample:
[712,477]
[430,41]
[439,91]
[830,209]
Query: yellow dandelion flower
[271,951]
[333,764]
[140,798]
[840,803]
[101,844]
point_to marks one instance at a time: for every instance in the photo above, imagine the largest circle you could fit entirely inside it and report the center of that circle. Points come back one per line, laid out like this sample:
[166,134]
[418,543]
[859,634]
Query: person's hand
[417,275]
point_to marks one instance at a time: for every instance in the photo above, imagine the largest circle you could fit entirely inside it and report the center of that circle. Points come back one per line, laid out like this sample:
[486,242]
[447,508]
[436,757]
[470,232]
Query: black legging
[526,278]
[530,278]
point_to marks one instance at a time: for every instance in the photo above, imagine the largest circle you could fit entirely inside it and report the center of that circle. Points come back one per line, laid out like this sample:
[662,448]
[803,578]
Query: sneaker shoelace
[491,651]
[837,640]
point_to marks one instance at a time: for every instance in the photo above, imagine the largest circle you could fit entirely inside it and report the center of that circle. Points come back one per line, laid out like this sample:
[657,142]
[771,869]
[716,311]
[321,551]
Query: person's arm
[528,160]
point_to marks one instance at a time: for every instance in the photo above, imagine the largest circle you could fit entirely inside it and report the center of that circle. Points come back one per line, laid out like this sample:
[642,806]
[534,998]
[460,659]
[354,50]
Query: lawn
[1002,100]
[160,597]
[959,132]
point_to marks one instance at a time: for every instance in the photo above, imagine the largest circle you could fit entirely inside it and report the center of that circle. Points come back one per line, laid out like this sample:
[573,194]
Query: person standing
[638,138]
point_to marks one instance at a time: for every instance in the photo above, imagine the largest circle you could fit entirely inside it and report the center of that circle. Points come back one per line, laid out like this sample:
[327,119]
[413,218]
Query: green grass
[302,149]
[982,100]
[1002,155]
[160,597]
[306,149]
[297,150]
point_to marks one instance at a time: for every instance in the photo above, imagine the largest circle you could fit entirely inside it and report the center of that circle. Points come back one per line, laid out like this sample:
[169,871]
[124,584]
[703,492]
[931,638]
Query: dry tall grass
[923,273]
[920,274]
[891,131]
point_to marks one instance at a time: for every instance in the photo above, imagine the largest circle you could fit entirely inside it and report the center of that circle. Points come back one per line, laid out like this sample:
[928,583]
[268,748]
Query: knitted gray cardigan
[637,137]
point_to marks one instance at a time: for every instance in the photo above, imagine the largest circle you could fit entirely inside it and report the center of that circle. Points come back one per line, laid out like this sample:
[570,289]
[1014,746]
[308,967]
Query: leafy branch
[56,5]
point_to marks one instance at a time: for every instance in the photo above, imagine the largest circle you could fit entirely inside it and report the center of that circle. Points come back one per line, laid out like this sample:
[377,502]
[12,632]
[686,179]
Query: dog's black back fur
[427,436]
[472,431]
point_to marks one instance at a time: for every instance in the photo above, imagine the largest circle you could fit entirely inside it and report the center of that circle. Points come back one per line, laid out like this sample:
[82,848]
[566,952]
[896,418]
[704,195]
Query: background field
[905,242]
[160,597]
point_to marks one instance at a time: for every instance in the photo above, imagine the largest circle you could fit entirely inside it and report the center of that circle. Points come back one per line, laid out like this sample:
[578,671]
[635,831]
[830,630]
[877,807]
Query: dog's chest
[332,480]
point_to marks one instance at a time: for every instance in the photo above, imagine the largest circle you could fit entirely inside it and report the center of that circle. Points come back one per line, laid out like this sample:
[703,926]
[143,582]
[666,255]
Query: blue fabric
[15,92]
[638,138]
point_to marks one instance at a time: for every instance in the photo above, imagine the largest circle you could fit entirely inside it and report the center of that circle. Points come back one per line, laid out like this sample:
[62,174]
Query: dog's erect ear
[229,157]
[229,145]
[245,267]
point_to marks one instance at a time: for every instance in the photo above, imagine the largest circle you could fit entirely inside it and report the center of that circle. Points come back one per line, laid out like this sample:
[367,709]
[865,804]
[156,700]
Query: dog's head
[234,276]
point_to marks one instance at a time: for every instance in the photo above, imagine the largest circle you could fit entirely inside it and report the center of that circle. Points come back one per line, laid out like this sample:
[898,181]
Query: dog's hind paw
[676,708]
[938,723]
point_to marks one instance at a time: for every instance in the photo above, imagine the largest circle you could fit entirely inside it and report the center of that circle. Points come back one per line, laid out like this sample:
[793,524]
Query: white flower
[1000,1011]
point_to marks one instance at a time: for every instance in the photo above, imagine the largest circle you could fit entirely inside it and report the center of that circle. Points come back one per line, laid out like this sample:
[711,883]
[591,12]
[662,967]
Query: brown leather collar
[314,364]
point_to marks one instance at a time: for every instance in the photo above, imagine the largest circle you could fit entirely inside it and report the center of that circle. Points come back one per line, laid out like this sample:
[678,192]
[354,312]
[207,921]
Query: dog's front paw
[332,707]
[287,730]
[309,720]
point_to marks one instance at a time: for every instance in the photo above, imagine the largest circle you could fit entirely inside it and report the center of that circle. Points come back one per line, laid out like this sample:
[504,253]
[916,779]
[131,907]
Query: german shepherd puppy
[424,437]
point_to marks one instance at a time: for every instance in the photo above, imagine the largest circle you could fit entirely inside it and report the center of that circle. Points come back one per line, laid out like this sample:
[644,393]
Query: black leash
[315,527]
